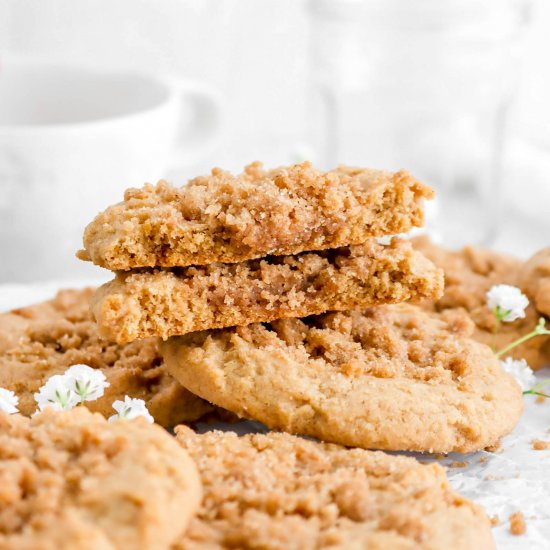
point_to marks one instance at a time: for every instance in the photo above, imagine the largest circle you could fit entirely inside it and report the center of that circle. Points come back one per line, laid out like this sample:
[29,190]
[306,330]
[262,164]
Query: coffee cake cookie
[390,377]
[534,279]
[71,480]
[177,301]
[279,491]
[39,341]
[225,218]
[471,272]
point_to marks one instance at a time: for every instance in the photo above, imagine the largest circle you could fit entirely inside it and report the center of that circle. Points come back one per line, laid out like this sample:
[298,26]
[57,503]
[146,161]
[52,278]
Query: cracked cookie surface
[391,377]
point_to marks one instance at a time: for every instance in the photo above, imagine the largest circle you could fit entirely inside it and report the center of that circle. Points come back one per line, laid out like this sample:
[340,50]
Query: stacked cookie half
[276,301]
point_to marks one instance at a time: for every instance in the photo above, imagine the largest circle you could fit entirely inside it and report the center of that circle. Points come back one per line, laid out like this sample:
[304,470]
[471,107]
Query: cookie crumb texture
[39,341]
[472,271]
[517,524]
[278,491]
[226,218]
[391,377]
[70,480]
[167,303]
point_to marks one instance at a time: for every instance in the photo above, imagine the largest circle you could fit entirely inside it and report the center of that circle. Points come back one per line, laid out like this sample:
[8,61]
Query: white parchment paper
[514,478]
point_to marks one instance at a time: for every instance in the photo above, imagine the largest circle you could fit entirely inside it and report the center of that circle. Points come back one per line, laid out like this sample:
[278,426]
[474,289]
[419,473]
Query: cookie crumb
[458,464]
[483,459]
[517,524]
[493,448]
[540,445]
[540,399]
[494,520]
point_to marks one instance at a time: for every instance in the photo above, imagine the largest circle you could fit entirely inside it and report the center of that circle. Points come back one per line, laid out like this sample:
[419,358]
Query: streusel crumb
[45,339]
[71,480]
[174,302]
[471,272]
[278,491]
[226,218]
[517,524]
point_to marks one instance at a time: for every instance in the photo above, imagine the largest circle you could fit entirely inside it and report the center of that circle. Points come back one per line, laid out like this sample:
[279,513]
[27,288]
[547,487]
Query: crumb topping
[351,377]
[469,274]
[517,524]
[280,491]
[226,218]
[39,341]
[70,479]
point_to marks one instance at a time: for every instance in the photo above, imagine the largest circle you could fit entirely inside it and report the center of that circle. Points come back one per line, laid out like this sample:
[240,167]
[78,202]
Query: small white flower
[507,302]
[56,394]
[131,408]
[88,384]
[521,371]
[8,401]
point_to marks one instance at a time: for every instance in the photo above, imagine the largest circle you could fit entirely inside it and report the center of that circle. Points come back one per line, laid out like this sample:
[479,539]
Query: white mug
[72,139]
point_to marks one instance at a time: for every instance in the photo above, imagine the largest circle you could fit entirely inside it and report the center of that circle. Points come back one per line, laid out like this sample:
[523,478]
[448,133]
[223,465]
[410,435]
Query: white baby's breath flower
[88,384]
[507,302]
[8,401]
[131,408]
[55,393]
[521,371]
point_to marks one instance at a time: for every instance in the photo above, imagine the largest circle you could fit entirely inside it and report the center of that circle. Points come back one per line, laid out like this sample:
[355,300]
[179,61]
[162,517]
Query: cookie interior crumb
[164,303]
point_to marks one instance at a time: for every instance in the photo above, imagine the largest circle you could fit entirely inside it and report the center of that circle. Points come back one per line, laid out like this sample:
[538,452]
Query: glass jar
[425,85]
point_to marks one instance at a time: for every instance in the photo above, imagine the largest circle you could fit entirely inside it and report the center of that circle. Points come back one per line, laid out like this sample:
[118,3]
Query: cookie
[391,377]
[471,272]
[534,279]
[72,480]
[39,341]
[278,491]
[177,301]
[225,218]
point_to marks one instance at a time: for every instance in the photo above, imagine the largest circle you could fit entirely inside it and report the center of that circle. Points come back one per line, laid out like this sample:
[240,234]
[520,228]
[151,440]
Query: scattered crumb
[493,478]
[483,459]
[517,524]
[457,464]
[540,400]
[494,448]
[440,456]
[548,431]
[540,445]
[494,521]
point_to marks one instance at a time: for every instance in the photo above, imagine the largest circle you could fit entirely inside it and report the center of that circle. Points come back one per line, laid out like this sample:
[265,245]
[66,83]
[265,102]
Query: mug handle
[200,134]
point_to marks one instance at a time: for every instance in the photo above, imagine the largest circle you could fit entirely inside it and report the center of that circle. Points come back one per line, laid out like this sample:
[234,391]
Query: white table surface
[515,478]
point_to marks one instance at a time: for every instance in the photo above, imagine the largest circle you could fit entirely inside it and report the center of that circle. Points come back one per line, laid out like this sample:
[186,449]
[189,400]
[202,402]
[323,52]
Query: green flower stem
[540,330]
[531,392]
[536,387]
